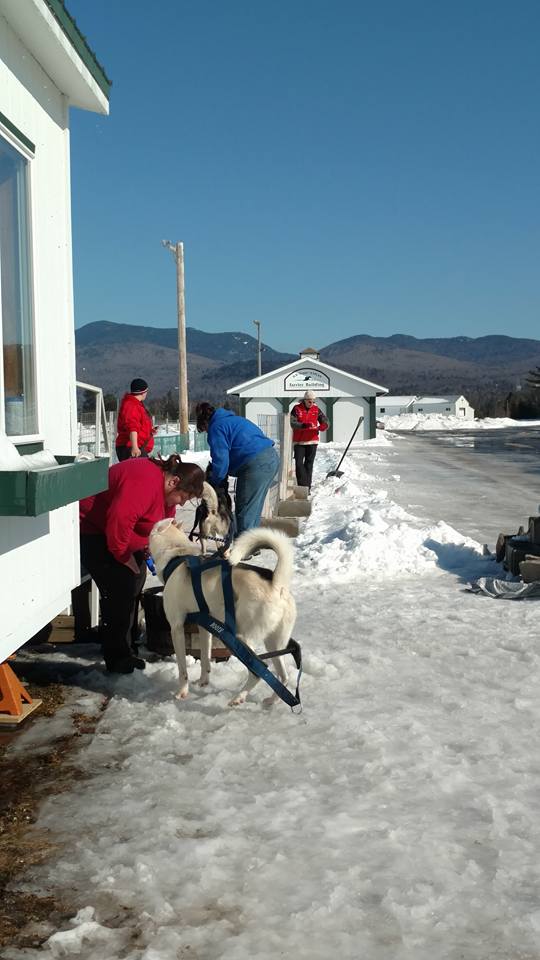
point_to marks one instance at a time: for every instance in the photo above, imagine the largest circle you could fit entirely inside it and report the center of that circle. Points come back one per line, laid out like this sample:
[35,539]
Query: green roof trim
[78,41]
[6,122]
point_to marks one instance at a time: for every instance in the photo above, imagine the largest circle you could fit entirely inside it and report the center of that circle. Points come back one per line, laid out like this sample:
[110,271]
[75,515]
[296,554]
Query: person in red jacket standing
[135,429]
[306,420]
[115,527]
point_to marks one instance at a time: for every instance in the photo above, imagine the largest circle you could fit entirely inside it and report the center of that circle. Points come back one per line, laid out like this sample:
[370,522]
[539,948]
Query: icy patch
[87,936]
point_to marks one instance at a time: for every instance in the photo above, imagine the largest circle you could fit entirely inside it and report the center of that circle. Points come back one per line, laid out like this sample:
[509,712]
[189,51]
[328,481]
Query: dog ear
[163,524]
[179,524]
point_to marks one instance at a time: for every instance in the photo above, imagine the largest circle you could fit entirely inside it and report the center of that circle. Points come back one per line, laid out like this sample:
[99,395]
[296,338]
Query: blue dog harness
[226,632]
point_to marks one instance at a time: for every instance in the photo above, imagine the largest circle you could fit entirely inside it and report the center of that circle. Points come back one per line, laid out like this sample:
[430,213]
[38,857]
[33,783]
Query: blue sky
[332,169]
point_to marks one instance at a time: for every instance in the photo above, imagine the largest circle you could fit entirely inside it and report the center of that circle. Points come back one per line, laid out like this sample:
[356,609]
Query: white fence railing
[94,427]
[278,428]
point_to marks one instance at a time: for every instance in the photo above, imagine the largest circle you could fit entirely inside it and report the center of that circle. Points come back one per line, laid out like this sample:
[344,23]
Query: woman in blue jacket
[239,448]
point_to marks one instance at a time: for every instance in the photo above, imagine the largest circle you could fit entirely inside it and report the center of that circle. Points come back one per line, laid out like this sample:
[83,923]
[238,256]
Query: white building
[46,67]
[394,406]
[342,396]
[451,406]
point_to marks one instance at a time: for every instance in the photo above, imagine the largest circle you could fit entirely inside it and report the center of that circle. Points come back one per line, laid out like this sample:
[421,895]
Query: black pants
[124,453]
[119,589]
[304,455]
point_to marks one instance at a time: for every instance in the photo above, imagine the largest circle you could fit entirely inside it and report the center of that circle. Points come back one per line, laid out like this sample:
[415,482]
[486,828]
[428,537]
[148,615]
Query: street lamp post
[259,350]
[177,250]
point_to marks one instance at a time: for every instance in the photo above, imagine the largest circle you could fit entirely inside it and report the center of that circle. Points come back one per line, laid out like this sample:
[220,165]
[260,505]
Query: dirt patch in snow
[26,780]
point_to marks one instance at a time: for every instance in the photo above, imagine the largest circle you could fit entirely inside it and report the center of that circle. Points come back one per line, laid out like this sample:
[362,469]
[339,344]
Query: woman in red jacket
[306,420]
[135,428]
[115,527]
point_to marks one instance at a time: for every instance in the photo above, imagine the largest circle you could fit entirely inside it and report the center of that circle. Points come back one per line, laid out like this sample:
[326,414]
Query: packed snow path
[396,818]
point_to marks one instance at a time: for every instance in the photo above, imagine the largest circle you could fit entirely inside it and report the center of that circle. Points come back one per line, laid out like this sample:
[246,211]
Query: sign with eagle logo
[306,378]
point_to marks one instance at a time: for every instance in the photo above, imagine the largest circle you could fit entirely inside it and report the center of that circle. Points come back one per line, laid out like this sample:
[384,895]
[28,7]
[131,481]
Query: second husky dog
[213,516]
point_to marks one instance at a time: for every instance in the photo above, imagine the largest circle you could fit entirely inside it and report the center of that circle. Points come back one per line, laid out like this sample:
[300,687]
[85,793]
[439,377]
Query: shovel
[337,472]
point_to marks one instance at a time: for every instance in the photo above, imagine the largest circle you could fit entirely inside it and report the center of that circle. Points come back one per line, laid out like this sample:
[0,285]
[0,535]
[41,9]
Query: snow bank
[356,532]
[11,459]
[424,421]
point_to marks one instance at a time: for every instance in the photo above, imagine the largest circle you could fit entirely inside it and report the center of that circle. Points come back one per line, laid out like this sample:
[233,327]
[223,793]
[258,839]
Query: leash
[201,514]
[226,632]
[198,536]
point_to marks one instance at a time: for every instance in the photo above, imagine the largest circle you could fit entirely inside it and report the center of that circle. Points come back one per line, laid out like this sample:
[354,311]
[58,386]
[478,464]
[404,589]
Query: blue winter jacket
[233,441]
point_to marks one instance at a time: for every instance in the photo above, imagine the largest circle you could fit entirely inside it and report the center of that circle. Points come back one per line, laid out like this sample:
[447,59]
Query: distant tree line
[488,400]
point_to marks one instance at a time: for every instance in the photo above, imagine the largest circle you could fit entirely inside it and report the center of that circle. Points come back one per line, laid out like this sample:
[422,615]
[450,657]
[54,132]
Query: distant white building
[394,406]
[450,406]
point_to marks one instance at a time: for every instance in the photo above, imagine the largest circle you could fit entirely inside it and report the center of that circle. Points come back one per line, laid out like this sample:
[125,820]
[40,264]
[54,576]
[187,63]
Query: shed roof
[79,42]
[301,362]
[397,401]
[437,399]
[50,34]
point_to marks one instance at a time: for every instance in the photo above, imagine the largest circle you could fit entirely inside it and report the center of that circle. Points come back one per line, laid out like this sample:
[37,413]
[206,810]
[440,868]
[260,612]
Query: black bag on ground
[158,631]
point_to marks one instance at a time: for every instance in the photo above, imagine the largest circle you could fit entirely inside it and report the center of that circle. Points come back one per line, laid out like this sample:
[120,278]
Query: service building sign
[306,379]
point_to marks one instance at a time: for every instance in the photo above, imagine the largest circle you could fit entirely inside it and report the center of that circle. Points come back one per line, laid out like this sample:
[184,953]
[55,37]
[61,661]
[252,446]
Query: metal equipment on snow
[337,472]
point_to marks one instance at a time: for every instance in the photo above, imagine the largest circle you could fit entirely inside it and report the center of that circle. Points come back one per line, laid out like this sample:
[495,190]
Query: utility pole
[259,349]
[177,250]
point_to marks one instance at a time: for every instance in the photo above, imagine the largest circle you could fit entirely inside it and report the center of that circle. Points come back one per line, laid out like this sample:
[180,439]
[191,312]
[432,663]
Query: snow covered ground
[397,817]
[434,421]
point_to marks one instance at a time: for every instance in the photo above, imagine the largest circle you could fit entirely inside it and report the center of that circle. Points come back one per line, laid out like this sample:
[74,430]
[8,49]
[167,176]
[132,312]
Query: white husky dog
[265,610]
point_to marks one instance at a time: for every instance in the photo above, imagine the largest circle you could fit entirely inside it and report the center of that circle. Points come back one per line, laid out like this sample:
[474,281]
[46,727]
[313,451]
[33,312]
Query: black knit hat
[138,385]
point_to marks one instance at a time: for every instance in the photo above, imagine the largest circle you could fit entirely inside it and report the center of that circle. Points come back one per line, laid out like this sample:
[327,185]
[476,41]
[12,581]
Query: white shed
[454,406]
[342,396]
[46,67]
[394,406]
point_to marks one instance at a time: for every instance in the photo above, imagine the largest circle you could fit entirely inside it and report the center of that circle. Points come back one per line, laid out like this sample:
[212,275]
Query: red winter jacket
[133,415]
[306,423]
[127,511]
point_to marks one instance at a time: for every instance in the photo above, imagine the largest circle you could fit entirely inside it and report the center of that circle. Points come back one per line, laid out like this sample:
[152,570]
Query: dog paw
[204,681]
[269,702]
[237,701]
[182,693]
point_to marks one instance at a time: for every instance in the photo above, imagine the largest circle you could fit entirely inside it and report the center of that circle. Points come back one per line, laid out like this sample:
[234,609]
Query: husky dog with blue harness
[264,607]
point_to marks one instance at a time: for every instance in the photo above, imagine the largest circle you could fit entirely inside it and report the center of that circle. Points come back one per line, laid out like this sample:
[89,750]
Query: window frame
[24,146]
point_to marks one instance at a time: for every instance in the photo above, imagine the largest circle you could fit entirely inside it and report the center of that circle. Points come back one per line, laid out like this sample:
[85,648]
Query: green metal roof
[78,42]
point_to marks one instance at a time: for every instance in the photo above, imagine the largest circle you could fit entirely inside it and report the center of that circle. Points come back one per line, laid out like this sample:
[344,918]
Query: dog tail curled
[261,538]
[210,496]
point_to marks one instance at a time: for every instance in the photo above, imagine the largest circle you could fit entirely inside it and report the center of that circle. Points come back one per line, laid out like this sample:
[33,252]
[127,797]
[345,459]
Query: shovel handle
[360,420]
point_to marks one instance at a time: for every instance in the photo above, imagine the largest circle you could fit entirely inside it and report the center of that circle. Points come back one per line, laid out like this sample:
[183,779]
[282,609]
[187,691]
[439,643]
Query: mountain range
[109,355]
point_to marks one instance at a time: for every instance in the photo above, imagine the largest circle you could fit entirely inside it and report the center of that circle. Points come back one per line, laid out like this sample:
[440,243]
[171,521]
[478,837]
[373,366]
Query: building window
[447,408]
[16,320]
[382,410]
[420,410]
